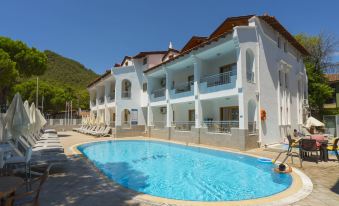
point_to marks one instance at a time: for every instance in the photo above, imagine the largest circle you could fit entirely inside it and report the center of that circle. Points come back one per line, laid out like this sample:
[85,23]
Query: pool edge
[300,188]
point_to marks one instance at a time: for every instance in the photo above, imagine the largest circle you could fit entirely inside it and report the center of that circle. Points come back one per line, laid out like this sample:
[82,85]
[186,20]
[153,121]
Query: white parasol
[311,121]
[17,120]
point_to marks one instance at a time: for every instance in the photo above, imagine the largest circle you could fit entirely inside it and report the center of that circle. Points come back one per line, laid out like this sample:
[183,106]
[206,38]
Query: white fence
[52,122]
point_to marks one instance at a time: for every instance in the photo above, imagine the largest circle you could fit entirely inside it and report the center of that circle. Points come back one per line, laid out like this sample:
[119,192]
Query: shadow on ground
[80,183]
[335,187]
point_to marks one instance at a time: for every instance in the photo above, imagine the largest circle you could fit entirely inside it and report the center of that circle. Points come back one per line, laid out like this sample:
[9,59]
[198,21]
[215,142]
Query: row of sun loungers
[98,131]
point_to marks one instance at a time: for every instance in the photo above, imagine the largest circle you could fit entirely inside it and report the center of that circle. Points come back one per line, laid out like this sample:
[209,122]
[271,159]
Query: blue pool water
[185,173]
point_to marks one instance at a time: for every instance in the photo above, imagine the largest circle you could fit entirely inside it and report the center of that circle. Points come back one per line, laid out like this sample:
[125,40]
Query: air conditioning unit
[163,110]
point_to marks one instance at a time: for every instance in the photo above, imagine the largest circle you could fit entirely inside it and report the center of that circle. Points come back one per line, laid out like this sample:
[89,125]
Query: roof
[169,51]
[227,27]
[143,54]
[108,72]
[125,58]
[274,23]
[332,77]
[194,41]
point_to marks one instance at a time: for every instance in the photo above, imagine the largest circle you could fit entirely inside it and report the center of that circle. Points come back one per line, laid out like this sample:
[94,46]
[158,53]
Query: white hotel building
[241,87]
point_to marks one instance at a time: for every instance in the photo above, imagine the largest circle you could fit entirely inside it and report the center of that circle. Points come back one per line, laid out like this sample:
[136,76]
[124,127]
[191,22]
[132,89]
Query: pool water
[185,173]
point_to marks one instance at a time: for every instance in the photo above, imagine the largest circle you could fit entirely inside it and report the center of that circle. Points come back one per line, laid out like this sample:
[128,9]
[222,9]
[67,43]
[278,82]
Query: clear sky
[99,33]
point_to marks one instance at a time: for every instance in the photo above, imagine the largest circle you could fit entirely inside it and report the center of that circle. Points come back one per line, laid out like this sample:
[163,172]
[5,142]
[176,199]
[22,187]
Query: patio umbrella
[40,120]
[311,121]
[30,127]
[32,113]
[102,120]
[17,120]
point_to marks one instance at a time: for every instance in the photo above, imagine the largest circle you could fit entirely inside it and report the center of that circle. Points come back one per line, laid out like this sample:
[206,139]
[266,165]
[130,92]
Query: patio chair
[103,133]
[334,147]
[32,197]
[292,143]
[308,146]
[99,130]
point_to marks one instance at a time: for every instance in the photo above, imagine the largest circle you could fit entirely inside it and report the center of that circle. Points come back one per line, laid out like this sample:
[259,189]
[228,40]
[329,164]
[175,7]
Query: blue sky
[100,33]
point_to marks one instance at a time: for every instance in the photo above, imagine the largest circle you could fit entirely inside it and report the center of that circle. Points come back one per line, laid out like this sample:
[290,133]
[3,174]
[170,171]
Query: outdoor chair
[334,147]
[308,146]
[292,143]
[32,197]
[104,133]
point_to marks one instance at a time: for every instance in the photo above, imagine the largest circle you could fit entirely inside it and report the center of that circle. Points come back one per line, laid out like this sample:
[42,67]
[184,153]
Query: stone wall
[133,131]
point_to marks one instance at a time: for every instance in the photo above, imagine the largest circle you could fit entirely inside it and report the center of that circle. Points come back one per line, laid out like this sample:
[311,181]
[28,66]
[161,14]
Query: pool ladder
[289,153]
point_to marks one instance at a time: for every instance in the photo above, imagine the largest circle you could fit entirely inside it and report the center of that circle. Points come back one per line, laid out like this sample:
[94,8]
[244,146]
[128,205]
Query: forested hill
[64,71]
[63,80]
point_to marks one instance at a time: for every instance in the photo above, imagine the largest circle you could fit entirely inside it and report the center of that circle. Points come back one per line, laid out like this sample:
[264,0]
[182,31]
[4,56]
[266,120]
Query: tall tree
[321,49]
[18,60]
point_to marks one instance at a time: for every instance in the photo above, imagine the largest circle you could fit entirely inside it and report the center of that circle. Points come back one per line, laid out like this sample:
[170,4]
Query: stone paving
[78,182]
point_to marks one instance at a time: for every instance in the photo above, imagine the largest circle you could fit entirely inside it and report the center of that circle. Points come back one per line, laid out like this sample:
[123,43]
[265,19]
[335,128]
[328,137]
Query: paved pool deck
[78,182]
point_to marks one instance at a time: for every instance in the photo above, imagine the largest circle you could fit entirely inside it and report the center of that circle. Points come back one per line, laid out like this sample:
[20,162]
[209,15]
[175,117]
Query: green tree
[321,49]
[27,62]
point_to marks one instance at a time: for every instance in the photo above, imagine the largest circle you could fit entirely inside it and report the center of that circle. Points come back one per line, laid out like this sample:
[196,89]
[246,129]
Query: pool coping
[300,188]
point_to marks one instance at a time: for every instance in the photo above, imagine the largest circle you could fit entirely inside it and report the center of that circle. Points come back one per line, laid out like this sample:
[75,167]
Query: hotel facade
[243,86]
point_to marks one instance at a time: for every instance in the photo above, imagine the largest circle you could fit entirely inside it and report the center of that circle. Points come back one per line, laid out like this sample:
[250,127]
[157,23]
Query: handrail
[221,126]
[183,87]
[217,79]
[159,92]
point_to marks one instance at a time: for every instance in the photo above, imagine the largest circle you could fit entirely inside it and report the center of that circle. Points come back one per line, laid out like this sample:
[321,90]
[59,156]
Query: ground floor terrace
[212,121]
[78,182]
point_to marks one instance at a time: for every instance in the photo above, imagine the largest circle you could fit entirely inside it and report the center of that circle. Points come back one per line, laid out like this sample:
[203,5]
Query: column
[149,96]
[169,109]
[241,78]
[197,102]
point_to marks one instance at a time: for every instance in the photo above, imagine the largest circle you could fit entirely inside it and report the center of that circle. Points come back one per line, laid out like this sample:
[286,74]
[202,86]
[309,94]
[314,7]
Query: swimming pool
[185,173]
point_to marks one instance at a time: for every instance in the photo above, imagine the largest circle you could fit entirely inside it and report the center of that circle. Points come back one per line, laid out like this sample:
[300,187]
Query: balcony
[183,89]
[183,125]
[101,100]
[218,82]
[221,126]
[158,94]
[110,98]
[126,95]
[93,103]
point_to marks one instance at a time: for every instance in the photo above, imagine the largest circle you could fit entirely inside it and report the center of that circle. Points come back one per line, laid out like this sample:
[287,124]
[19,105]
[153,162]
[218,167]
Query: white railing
[101,100]
[183,125]
[217,79]
[221,126]
[110,98]
[52,122]
[159,93]
[252,128]
[93,103]
[159,124]
[182,87]
[126,95]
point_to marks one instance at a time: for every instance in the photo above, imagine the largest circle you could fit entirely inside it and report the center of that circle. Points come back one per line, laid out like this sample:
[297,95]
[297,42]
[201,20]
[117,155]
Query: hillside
[62,70]
[64,80]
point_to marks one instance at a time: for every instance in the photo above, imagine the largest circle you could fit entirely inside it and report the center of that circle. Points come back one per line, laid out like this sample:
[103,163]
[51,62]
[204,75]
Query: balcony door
[229,113]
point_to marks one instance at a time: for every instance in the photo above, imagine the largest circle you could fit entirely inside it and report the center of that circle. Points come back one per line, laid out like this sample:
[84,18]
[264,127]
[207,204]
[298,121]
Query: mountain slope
[62,70]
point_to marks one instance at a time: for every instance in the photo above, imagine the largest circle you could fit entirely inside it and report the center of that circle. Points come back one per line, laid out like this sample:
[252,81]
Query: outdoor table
[8,184]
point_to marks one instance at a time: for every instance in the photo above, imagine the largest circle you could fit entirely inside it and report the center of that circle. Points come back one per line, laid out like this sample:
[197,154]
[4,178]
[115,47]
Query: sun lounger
[99,130]
[104,133]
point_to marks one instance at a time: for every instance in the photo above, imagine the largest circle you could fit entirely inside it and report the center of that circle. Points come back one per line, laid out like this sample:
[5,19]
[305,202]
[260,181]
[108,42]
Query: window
[170,56]
[279,42]
[190,79]
[144,61]
[144,87]
[126,89]
[250,65]
[285,47]
[126,63]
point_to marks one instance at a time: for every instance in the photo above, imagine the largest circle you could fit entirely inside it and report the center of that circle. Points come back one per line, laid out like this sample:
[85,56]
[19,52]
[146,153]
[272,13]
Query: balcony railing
[93,103]
[183,87]
[217,79]
[126,95]
[221,126]
[111,97]
[252,128]
[101,100]
[159,92]
[183,125]
[159,124]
